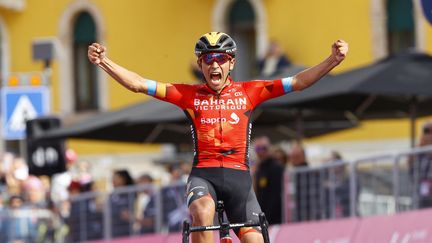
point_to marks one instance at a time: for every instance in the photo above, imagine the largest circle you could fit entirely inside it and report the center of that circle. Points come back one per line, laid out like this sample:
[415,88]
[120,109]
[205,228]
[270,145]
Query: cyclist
[219,110]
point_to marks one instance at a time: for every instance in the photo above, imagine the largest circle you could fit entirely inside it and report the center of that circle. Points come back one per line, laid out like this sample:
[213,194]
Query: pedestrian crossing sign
[20,104]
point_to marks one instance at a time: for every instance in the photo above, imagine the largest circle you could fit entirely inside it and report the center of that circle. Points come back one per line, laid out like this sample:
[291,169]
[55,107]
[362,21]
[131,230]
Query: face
[426,136]
[261,151]
[215,68]
[117,180]
[15,202]
[297,155]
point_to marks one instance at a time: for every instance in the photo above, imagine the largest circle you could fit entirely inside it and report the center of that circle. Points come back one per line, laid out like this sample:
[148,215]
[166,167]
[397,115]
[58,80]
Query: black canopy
[397,86]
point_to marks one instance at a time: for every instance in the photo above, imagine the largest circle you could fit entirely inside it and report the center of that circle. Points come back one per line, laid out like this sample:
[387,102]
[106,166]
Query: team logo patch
[234,119]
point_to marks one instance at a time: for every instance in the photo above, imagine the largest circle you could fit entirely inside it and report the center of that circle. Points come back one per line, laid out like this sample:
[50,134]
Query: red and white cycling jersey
[221,123]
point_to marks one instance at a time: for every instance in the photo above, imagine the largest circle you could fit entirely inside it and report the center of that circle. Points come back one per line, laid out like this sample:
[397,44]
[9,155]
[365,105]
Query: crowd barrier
[341,191]
[377,185]
[406,227]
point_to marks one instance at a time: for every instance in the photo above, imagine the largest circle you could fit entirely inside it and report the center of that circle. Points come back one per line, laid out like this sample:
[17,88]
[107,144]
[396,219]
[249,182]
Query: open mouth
[216,77]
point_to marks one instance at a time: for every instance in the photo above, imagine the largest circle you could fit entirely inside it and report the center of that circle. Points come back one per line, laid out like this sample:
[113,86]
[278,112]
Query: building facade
[156,39]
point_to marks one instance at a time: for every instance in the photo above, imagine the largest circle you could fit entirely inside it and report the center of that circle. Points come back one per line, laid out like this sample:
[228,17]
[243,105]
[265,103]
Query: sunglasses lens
[220,58]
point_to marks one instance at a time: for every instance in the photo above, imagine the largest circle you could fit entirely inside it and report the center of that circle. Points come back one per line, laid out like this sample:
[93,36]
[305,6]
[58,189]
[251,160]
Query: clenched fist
[339,50]
[96,53]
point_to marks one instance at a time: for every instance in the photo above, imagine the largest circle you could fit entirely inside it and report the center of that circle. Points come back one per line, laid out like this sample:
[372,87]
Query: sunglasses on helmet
[220,58]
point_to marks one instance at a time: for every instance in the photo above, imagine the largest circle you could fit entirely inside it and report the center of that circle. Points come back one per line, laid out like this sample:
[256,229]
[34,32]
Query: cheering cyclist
[220,111]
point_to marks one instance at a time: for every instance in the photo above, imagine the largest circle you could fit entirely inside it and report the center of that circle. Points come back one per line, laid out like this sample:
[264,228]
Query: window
[242,29]
[84,73]
[400,25]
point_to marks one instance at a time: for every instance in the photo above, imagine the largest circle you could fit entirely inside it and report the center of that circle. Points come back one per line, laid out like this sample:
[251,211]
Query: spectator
[61,181]
[85,220]
[76,209]
[186,169]
[280,155]
[274,62]
[84,175]
[421,169]
[84,209]
[122,204]
[145,211]
[18,225]
[17,174]
[53,228]
[173,200]
[336,188]
[307,184]
[268,181]
[297,155]
[35,192]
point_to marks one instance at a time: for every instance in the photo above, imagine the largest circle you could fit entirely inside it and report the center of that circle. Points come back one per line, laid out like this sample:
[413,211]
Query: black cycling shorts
[233,187]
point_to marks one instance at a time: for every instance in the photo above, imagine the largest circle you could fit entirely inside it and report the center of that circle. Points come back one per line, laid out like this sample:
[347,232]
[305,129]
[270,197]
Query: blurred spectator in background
[186,168]
[173,200]
[85,220]
[35,192]
[17,174]
[335,156]
[336,185]
[122,204]
[19,225]
[307,185]
[61,181]
[145,207]
[274,61]
[176,174]
[426,136]
[84,175]
[268,181]
[421,169]
[76,210]
[280,155]
[297,155]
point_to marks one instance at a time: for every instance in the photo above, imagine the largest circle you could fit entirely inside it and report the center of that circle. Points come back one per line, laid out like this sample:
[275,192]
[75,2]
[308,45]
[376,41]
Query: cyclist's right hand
[96,53]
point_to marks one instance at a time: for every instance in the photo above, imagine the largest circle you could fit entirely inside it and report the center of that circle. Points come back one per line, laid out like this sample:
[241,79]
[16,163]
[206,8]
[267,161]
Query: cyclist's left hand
[339,50]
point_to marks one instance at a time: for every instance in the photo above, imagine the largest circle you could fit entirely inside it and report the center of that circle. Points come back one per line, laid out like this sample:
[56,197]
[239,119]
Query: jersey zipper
[220,128]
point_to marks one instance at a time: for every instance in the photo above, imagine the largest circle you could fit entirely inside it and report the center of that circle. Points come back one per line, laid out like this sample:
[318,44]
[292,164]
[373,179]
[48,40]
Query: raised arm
[311,75]
[130,80]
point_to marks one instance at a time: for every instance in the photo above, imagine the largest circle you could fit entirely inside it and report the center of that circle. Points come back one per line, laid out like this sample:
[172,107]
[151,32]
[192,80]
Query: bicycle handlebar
[219,227]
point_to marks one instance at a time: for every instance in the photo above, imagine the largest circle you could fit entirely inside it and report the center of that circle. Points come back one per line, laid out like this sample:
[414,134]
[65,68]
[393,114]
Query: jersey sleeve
[262,90]
[172,93]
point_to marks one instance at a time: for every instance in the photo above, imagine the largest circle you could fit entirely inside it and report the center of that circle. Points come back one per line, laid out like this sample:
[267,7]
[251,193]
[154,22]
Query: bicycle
[225,226]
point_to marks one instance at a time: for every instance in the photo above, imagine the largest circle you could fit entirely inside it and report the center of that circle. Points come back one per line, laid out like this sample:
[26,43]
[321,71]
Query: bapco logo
[234,119]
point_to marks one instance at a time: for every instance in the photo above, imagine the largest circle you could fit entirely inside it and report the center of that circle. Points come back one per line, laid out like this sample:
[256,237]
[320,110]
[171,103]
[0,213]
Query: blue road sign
[427,9]
[20,104]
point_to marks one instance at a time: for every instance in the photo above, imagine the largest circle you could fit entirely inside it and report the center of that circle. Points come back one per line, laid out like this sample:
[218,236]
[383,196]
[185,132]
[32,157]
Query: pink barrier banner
[406,227]
[153,238]
[340,231]
[409,227]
